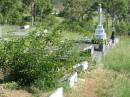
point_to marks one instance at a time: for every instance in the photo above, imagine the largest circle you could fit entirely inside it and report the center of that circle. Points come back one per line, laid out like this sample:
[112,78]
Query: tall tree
[73,9]
[77,10]
[89,9]
[38,8]
[117,9]
[11,10]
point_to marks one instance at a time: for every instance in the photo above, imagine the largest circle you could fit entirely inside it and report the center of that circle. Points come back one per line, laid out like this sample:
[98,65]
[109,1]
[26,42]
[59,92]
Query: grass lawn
[118,58]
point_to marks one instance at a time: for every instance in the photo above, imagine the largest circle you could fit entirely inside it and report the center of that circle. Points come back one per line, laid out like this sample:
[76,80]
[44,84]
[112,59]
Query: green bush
[71,27]
[84,27]
[38,60]
[88,26]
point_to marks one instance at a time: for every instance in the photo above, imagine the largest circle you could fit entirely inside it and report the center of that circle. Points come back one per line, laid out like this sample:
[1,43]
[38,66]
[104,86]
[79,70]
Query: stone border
[73,79]
[57,93]
[83,65]
[91,48]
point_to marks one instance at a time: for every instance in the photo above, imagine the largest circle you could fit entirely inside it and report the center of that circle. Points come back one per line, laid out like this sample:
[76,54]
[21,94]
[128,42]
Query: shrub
[88,26]
[84,27]
[71,27]
[40,60]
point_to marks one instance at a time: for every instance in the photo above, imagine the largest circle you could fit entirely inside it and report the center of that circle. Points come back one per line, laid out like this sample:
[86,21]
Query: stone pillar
[100,32]
[100,15]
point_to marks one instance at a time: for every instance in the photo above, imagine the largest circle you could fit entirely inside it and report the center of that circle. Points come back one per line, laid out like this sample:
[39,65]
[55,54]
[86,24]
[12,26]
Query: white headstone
[58,93]
[73,79]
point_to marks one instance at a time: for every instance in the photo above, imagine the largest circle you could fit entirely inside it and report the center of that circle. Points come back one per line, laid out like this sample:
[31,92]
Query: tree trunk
[33,13]
[113,20]
[107,19]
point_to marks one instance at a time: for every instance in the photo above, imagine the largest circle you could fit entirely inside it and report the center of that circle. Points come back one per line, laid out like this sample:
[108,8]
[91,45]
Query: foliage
[117,61]
[49,22]
[79,27]
[11,85]
[114,9]
[39,59]
[11,11]
[120,56]
[88,25]
[37,9]
[14,11]
[85,55]
[122,28]
[75,10]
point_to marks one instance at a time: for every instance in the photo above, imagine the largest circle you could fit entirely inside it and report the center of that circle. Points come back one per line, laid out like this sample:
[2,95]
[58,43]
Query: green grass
[117,61]
[118,58]
[121,87]
[113,85]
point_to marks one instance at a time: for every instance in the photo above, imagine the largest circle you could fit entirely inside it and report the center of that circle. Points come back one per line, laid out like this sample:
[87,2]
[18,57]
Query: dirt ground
[90,86]
[13,93]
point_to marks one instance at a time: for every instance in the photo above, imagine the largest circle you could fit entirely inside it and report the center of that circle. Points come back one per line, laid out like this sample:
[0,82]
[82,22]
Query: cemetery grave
[47,52]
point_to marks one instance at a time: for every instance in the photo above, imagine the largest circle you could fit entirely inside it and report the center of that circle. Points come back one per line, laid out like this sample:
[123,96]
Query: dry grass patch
[13,93]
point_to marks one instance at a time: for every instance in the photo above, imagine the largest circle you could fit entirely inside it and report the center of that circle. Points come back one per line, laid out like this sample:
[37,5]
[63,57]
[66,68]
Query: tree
[117,9]
[89,9]
[11,11]
[73,9]
[37,8]
[77,10]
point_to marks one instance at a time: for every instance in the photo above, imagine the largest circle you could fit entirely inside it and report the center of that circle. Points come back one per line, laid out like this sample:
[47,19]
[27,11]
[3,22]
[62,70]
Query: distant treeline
[24,11]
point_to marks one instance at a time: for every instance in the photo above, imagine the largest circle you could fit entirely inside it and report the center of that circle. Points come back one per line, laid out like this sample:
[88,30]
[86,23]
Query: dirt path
[93,86]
